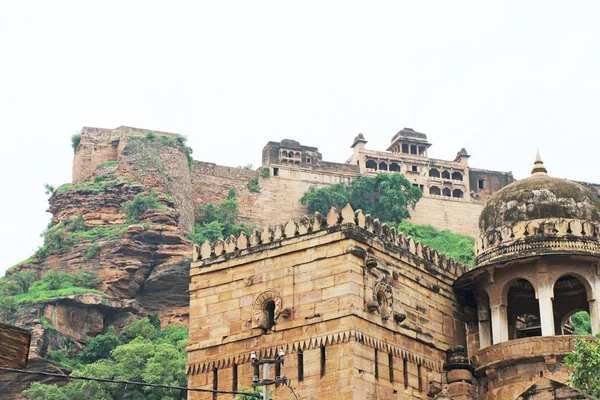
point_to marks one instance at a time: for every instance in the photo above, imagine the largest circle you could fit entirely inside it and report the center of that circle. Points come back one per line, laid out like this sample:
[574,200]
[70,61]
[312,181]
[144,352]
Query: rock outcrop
[142,266]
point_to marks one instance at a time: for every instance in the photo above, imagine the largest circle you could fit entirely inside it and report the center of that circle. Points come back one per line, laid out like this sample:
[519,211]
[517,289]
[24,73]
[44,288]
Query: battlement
[347,219]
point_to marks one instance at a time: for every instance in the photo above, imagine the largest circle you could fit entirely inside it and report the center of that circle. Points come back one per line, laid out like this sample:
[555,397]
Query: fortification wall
[457,216]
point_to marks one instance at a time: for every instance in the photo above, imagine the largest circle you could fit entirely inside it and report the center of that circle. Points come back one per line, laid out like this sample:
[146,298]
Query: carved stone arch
[259,309]
[585,281]
[382,294]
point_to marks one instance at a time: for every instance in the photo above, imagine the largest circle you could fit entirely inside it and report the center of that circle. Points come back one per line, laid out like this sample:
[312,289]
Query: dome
[539,197]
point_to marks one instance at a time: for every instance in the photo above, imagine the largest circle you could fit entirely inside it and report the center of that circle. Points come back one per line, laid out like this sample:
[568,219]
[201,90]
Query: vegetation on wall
[75,139]
[459,247]
[265,172]
[253,186]
[218,221]
[386,196]
[142,352]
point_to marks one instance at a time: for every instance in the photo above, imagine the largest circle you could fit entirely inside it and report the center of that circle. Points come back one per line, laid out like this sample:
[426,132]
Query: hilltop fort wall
[454,193]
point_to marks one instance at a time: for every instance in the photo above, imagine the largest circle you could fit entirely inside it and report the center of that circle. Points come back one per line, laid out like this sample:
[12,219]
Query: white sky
[499,79]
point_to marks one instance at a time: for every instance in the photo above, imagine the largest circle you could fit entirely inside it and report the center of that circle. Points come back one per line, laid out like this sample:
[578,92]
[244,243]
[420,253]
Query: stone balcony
[523,351]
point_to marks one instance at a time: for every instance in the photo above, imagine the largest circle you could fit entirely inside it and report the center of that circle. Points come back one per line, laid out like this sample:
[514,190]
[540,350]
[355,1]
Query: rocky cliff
[140,266]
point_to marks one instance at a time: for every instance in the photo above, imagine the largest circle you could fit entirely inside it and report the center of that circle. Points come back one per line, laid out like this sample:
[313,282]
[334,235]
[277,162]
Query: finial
[538,165]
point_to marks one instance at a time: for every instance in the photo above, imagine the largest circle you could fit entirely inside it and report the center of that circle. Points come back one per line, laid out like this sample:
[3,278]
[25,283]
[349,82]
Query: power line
[154,385]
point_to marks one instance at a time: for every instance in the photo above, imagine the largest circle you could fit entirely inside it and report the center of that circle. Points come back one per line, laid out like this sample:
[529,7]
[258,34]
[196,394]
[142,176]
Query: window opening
[404,148]
[275,171]
[270,311]
[415,168]
[457,176]
[300,365]
[446,192]
[234,386]
[391,366]
[434,173]
[215,383]
[323,361]
[445,175]
[420,378]
[376,356]
[434,190]
[481,184]
[405,372]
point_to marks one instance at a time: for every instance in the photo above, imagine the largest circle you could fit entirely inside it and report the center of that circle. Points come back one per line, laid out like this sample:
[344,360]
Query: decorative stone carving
[260,313]
[382,294]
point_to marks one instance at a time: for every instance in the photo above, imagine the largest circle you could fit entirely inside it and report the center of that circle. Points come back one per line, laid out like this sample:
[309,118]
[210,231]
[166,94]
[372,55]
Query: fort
[453,192]
[363,312]
[359,309]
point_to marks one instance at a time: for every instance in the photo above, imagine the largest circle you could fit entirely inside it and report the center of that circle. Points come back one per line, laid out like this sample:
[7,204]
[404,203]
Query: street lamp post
[266,380]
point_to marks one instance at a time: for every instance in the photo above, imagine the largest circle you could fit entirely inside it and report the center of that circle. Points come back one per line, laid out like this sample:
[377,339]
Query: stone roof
[537,197]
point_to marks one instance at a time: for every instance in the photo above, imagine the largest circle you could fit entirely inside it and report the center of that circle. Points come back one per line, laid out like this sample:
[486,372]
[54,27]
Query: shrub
[107,164]
[86,279]
[49,189]
[75,140]
[166,139]
[253,186]
[92,250]
[140,204]
[265,172]
[181,139]
[188,152]
[150,135]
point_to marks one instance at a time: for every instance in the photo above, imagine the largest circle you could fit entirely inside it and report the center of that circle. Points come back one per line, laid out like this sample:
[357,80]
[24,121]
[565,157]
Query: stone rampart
[359,308]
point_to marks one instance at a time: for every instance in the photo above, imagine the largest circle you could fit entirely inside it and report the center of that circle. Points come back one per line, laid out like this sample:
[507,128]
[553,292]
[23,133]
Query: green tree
[23,278]
[385,196]
[584,363]
[218,221]
[581,323]
[459,247]
[99,347]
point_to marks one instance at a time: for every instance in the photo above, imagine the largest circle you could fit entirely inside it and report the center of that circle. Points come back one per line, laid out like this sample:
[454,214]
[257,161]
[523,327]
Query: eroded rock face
[143,269]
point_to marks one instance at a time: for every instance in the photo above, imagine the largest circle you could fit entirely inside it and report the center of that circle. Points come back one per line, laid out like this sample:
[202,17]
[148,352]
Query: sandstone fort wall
[360,316]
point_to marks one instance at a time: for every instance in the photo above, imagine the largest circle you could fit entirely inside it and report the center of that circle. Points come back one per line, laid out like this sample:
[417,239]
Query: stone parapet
[535,237]
[521,351]
[346,219]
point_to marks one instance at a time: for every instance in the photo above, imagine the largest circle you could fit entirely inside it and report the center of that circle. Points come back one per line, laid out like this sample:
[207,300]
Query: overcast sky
[498,79]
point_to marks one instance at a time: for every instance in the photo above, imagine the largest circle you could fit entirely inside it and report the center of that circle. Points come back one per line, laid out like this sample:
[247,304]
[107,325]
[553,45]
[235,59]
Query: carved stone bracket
[382,295]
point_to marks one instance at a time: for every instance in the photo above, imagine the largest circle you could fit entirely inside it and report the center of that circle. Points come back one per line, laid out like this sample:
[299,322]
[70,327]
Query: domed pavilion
[537,262]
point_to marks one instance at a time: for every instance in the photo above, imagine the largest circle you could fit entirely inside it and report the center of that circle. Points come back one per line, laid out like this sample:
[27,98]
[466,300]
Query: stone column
[483,317]
[546,310]
[593,304]
[499,323]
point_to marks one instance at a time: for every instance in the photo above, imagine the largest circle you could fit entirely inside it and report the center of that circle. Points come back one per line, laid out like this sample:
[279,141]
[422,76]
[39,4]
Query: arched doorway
[523,311]
[571,307]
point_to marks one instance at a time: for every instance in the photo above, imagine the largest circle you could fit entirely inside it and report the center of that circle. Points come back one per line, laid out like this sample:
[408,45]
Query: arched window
[298,155]
[457,176]
[445,174]
[457,193]
[394,167]
[434,173]
[270,314]
[446,192]
[434,190]
[371,164]
[284,154]
[523,311]
[571,307]
[383,166]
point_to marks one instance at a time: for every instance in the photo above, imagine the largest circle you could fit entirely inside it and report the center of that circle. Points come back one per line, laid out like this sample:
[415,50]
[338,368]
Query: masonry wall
[457,216]
[323,283]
